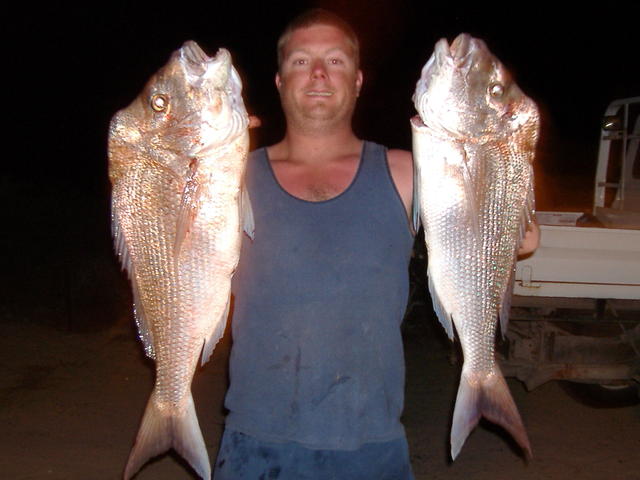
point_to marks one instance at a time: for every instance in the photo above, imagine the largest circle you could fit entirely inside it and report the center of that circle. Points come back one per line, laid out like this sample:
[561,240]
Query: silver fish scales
[176,161]
[474,141]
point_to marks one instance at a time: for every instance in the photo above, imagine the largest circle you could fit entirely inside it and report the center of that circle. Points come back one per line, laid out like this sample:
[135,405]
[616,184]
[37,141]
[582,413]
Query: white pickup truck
[576,307]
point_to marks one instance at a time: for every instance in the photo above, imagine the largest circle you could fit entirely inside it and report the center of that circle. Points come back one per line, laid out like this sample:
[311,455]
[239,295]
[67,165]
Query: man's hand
[531,240]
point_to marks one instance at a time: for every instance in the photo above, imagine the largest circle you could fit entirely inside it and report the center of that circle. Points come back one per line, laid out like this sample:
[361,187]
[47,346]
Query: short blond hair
[318,16]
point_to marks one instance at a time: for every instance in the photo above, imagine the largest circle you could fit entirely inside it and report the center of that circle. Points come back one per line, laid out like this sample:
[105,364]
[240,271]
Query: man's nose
[318,69]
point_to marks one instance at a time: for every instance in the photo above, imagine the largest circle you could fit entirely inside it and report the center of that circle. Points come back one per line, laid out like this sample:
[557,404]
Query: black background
[69,69]
[76,66]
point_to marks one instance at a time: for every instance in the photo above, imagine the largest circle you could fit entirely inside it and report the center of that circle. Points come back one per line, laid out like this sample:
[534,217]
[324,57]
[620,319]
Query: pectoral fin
[418,139]
[246,212]
[416,202]
[471,201]
[188,207]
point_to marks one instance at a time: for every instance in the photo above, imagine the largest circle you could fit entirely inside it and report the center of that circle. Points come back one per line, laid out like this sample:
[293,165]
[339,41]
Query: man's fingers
[531,240]
[254,121]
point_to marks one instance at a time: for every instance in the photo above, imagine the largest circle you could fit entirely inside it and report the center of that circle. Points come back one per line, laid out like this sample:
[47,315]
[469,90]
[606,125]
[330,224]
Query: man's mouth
[319,93]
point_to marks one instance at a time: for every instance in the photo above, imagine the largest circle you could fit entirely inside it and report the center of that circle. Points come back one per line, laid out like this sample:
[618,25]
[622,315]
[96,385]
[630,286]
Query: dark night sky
[77,66]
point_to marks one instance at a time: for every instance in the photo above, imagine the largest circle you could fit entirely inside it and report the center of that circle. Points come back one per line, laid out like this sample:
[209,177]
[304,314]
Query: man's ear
[358,82]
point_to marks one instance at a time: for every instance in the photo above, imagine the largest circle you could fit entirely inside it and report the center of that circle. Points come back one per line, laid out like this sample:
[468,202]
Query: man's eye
[336,61]
[300,61]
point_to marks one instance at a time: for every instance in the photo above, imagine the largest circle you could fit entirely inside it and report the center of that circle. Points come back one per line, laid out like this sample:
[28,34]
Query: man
[317,367]
[317,373]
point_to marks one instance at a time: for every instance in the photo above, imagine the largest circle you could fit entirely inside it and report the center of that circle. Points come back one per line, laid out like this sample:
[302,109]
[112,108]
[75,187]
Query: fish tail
[485,396]
[160,431]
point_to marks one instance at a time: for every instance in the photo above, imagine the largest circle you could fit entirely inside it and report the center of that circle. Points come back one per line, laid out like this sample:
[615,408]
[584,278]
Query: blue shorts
[242,457]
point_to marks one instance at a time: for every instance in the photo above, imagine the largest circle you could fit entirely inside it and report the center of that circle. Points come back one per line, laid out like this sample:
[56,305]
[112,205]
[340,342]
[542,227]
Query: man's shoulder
[257,153]
[395,155]
[398,156]
[400,162]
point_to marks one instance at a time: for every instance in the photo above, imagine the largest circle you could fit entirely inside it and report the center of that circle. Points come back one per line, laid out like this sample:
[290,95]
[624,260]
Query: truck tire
[603,396]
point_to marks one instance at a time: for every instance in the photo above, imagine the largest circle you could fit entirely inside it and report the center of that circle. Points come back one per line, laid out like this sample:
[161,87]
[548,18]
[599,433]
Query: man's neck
[316,167]
[315,148]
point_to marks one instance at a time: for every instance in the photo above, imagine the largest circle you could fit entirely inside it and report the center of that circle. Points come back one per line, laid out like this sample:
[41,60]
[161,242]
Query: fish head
[190,107]
[464,91]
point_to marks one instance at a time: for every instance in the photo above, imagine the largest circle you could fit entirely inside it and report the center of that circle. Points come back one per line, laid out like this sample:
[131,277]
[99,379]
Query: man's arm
[401,166]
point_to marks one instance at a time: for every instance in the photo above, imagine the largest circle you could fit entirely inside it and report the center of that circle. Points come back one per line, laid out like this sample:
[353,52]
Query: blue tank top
[319,296]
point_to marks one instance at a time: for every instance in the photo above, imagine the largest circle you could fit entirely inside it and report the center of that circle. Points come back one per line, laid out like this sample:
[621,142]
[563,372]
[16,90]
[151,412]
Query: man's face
[318,80]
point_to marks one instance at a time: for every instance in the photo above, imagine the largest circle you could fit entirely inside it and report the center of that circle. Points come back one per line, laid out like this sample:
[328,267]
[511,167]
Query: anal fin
[441,312]
[505,303]
[218,330]
[145,331]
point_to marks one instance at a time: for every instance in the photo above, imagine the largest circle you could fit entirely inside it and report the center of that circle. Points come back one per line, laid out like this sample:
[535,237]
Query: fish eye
[159,102]
[496,90]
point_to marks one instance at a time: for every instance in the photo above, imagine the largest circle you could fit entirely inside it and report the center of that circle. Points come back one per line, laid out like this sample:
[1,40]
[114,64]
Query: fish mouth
[200,68]
[462,53]
[448,65]
[223,115]
[217,71]
[461,49]
[193,55]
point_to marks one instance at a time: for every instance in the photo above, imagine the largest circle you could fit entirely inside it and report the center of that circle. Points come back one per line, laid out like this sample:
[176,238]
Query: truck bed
[580,262]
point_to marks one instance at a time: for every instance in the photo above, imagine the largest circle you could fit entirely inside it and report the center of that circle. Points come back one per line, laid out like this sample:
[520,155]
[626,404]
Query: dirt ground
[75,381]
[70,404]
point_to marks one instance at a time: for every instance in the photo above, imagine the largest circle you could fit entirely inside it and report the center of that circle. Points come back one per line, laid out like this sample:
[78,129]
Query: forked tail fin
[487,396]
[161,431]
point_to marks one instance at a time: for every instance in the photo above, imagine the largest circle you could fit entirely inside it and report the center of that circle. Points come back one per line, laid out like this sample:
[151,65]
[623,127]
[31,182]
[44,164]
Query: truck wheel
[603,395]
